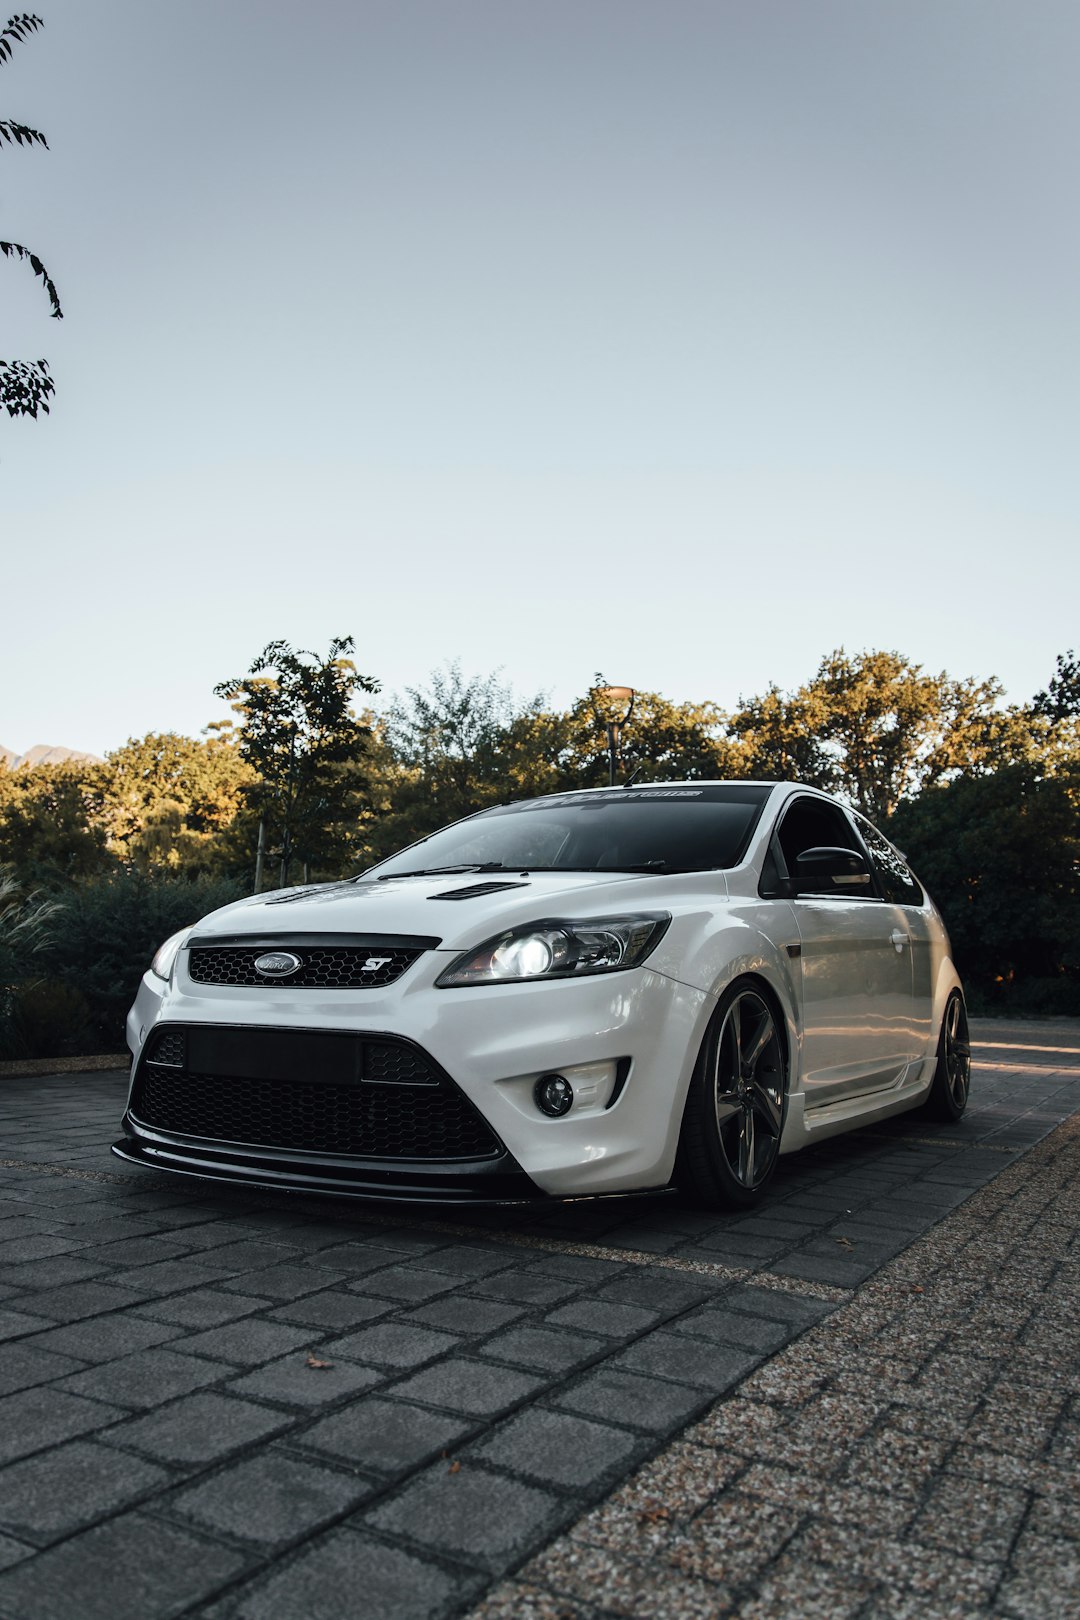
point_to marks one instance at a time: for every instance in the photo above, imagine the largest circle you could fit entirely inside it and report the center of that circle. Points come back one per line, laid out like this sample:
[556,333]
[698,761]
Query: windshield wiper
[442,871]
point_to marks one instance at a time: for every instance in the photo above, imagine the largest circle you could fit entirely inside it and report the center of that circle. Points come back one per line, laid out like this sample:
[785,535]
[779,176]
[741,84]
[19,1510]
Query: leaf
[454,1468]
[317,1365]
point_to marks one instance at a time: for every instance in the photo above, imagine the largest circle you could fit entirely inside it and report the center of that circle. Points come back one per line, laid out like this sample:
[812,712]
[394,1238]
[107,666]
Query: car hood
[457,910]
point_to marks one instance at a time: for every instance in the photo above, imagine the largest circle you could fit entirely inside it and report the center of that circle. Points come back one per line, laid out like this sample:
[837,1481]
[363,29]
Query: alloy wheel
[748,1089]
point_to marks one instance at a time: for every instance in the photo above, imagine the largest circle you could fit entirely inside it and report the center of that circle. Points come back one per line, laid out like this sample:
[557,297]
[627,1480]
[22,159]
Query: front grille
[337,967]
[400,1106]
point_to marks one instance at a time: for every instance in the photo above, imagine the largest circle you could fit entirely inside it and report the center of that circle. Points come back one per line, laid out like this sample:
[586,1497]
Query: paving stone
[14,1324]
[13,1552]
[198,1428]
[100,1338]
[768,1302]
[465,1261]
[40,1417]
[667,1292]
[146,1378]
[273,1497]
[354,1259]
[393,1344]
[485,1517]
[284,1281]
[558,1448]
[603,1316]
[131,1568]
[332,1310]
[406,1283]
[53,1494]
[202,1308]
[81,1299]
[524,1287]
[246,1342]
[475,1387]
[540,1347]
[645,1403]
[385,1436]
[22,1366]
[690,1361]
[464,1313]
[733,1327]
[291,1381]
[326,1581]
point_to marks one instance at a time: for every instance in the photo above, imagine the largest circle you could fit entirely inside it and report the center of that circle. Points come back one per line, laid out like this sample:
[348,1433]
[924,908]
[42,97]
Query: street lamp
[619,706]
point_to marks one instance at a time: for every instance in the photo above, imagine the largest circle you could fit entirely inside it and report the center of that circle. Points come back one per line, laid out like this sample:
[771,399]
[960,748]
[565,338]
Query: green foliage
[26,923]
[52,826]
[167,800]
[107,929]
[1000,854]
[25,385]
[1061,700]
[53,1020]
[874,728]
[302,741]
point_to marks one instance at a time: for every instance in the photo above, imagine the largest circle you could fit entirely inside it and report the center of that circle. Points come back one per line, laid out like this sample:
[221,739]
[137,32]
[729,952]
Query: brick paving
[219,1404]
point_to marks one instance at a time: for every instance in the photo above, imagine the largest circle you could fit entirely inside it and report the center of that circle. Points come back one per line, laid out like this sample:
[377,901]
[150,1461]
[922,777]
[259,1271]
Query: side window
[899,884]
[813,824]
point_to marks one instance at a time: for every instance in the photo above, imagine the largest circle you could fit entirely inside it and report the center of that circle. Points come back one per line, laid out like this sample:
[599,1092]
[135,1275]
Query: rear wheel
[734,1113]
[952,1077]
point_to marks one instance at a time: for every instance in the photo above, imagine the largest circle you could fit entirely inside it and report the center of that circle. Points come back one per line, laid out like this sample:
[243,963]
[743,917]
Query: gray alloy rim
[748,1089]
[957,1052]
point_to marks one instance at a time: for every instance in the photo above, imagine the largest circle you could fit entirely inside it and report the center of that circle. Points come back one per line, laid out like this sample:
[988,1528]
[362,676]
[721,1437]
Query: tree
[1000,853]
[168,800]
[51,822]
[1061,700]
[299,735]
[25,385]
[876,729]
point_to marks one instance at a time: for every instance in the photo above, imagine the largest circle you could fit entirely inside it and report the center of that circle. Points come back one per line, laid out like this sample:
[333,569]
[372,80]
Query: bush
[106,930]
[1001,856]
[53,1020]
[25,936]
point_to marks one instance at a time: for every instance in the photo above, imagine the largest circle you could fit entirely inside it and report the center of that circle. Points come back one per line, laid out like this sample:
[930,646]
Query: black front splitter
[474,1183]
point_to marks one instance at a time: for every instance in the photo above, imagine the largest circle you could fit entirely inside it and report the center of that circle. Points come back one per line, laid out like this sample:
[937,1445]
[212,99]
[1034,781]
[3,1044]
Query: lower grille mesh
[389,1121]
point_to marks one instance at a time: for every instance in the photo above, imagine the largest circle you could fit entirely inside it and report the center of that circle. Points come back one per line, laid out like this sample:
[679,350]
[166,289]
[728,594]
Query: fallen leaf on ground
[320,1366]
[454,1468]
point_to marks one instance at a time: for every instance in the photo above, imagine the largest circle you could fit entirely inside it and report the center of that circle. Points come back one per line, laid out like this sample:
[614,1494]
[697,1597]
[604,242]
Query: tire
[949,1089]
[734,1114]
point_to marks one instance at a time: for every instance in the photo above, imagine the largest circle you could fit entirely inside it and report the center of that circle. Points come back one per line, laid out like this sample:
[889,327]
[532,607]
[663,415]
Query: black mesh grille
[168,1047]
[338,967]
[414,1113]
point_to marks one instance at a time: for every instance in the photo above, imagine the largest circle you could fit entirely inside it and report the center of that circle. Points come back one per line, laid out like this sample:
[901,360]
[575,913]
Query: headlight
[165,955]
[559,950]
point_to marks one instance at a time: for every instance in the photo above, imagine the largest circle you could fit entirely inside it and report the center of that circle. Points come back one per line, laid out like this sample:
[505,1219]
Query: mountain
[44,754]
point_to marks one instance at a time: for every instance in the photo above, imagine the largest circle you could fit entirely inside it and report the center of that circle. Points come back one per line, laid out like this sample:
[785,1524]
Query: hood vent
[475,888]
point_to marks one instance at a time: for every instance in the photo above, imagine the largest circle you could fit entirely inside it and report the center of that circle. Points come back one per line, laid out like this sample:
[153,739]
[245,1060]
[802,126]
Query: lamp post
[619,707]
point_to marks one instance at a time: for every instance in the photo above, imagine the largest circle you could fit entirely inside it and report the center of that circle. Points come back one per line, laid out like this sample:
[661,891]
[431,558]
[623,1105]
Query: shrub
[107,929]
[25,925]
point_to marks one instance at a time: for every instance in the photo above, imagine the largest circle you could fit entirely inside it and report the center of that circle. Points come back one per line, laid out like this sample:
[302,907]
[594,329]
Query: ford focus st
[594,992]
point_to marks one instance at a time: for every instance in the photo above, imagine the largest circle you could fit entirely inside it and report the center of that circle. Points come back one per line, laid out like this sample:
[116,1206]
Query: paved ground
[862,1399]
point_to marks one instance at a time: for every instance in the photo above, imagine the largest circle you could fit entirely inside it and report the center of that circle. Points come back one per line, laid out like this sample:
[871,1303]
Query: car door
[856,980]
[901,889]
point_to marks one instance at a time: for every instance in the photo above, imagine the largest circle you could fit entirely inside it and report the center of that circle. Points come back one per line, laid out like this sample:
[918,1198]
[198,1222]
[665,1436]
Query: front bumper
[491,1043]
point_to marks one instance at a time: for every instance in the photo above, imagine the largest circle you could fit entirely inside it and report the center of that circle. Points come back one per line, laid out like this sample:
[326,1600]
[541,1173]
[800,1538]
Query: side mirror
[826,870]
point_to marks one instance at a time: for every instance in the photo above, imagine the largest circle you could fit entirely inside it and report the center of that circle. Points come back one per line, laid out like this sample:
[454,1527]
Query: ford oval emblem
[277,964]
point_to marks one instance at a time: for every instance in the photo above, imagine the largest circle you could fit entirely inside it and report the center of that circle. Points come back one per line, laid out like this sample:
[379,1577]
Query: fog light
[554,1095]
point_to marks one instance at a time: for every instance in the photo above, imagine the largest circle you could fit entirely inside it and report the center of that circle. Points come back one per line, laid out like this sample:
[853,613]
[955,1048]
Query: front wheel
[952,1078]
[734,1114]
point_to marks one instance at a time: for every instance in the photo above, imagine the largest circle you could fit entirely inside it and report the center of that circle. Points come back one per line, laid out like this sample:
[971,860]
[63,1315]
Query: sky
[679,340]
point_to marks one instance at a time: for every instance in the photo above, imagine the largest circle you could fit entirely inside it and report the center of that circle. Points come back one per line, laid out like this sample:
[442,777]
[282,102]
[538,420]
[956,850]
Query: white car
[594,992]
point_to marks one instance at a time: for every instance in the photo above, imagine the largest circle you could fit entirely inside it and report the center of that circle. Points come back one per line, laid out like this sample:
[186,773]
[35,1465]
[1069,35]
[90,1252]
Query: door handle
[899,939]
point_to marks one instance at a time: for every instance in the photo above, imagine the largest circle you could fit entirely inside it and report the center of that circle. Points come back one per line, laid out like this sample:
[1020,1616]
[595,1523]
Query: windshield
[684,829]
